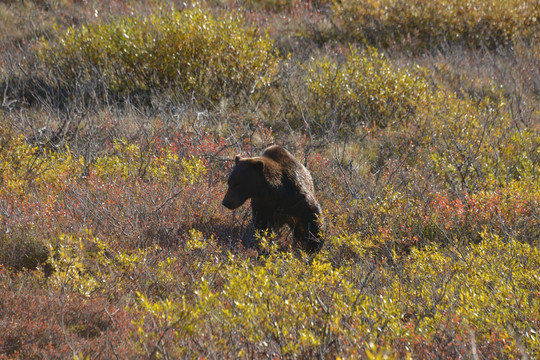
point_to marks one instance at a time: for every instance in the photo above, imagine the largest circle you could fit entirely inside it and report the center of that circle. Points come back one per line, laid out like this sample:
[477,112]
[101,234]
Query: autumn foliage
[119,122]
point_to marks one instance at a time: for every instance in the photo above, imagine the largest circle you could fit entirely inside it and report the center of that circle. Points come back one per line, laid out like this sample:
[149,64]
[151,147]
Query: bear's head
[246,181]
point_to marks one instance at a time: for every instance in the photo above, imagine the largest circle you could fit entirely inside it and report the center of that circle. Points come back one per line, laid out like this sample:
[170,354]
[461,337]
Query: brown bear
[281,193]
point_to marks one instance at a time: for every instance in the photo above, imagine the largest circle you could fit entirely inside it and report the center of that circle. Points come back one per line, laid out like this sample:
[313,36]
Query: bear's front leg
[262,220]
[308,235]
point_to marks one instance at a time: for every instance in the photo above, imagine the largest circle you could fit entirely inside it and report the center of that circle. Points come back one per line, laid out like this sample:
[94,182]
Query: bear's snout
[227,203]
[232,201]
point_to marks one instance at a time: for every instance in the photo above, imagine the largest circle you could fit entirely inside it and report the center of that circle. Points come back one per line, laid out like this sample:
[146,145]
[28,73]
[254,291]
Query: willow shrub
[191,50]
[433,303]
[475,143]
[425,23]
[45,192]
[364,90]
[466,140]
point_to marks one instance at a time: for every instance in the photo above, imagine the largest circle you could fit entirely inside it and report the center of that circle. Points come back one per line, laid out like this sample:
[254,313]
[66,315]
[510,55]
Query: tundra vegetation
[419,121]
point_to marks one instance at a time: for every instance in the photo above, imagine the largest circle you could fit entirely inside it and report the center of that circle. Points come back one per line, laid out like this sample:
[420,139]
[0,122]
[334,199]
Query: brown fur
[281,192]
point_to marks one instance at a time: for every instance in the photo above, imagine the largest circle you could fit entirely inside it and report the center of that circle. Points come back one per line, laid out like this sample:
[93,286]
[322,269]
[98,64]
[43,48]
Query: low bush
[438,302]
[113,239]
[365,91]
[398,114]
[474,142]
[190,51]
[422,24]
[37,324]
[20,249]
[284,6]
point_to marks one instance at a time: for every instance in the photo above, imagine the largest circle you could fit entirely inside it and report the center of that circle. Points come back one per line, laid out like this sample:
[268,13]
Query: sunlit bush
[400,115]
[190,50]
[474,143]
[113,239]
[284,307]
[365,91]
[26,168]
[130,161]
[427,24]
[472,291]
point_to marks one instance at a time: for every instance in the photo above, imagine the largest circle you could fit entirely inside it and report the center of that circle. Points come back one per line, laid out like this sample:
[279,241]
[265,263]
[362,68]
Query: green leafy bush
[474,142]
[190,50]
[468,141]
[364,91]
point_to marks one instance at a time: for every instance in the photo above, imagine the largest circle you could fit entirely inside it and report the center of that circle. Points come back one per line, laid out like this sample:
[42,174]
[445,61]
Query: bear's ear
[259,164]
[237,159]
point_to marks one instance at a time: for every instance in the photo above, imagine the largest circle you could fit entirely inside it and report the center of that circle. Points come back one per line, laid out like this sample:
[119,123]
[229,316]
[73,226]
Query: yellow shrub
[365,91]
[26,167]
[192,50]
[130,161]
[431,23]
[283,306]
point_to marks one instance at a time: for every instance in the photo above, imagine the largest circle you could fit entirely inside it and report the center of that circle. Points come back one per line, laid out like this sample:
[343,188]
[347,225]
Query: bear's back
[279,155]
[291,167]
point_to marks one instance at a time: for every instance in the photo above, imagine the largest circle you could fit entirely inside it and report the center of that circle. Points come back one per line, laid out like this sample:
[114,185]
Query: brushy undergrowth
[365,91]
[283,307]
[113,241]
[192,51]
[421,24]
